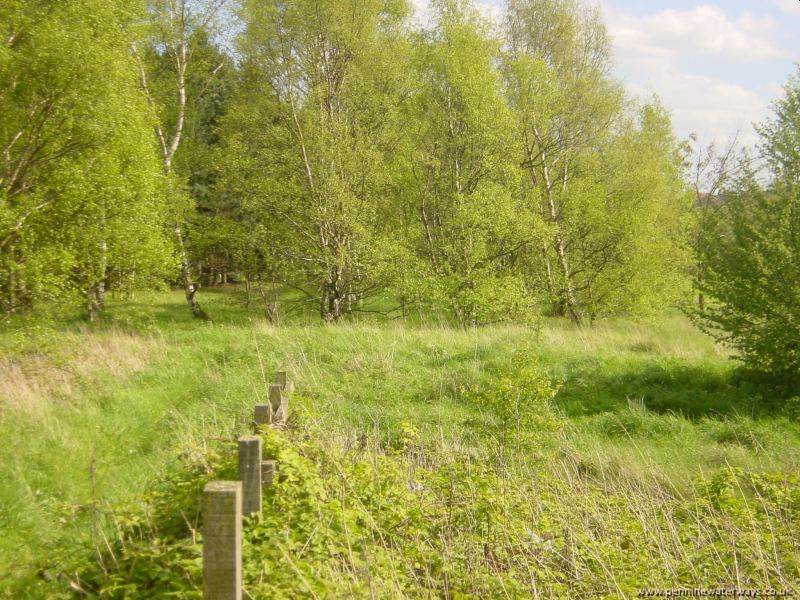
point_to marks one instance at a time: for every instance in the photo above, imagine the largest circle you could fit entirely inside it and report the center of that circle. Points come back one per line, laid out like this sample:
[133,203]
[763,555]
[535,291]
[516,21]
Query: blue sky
[716,64]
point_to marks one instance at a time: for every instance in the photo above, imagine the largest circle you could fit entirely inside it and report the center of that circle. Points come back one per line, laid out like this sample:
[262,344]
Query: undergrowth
[386,514]
[420,461]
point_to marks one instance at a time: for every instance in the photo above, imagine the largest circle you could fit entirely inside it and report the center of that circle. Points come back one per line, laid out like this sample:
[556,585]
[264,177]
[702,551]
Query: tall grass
[91,415]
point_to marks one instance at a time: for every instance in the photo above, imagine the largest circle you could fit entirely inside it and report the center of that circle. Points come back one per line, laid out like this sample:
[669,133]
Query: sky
[717,65]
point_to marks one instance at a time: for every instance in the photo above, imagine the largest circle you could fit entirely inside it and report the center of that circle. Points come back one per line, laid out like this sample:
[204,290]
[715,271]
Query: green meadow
[421,460]
[544,327]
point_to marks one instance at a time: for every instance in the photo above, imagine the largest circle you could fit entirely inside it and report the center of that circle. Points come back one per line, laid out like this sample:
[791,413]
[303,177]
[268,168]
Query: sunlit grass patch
[642,413]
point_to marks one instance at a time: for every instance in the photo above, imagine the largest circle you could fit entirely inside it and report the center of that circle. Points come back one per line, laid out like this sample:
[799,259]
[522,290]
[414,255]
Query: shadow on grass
[224,307]
[670,387]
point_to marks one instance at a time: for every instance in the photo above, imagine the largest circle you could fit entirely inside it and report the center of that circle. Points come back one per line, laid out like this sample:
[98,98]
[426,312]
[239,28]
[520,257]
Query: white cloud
[705,29]
[791,7]
[420,8]
[491,10]
[704,105]
[679,56]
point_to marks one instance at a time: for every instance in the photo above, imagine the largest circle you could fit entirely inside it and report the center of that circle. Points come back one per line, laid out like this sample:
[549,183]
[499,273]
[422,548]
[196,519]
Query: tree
[80,204]
[631,244]
[605,178]
[712,172]
[210,85]
[312,139]
[752,270]
[473,221]
[177,27]
[781,138]
[558,60]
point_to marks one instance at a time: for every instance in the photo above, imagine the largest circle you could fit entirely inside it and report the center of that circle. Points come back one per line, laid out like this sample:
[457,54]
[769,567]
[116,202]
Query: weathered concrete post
[250,474]
[282,379]
[222,540]
[268,473]
[279,402]
[263,415]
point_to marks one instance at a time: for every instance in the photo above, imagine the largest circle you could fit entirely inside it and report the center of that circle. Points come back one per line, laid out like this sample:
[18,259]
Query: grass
[93,415]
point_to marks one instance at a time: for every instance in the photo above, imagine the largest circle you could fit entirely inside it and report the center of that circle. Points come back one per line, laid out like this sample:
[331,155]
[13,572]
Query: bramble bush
[424,517]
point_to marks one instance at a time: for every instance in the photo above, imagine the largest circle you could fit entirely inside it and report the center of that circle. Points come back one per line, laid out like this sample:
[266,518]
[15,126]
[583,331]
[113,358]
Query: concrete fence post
[282,379]
[222,540]
[268,473]
[263,415]
[279,403]
[250,474]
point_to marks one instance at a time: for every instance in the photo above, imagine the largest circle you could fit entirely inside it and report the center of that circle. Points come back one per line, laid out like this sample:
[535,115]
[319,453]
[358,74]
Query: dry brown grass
[672,337]
[116,353]
[27,384]
[31,383]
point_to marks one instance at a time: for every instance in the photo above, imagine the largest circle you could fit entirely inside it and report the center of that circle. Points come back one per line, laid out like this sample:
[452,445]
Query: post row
[225,503]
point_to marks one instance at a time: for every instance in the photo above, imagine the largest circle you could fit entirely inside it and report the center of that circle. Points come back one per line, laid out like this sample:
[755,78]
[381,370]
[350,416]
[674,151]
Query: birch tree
[559,57]
[314,137]
[631,242]
[76,180]
[578,136]
[175,24]
[472,219]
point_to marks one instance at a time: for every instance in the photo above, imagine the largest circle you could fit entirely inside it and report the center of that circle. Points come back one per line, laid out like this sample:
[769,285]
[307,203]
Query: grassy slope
[93,414]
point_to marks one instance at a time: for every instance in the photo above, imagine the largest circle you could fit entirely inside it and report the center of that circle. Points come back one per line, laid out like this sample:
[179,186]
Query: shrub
[752,270]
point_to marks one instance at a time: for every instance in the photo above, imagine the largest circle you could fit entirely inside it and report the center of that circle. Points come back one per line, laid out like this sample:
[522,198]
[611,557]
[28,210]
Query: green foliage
[358,161]
[638,255]
[752,270]
[349,160]
[471,221]
[377,163]
[157,550]
[519,403]
[348,521]
[214,237]
[606,181]
[323,119]
[81,199]
[752,273]
[390,453]
[781,136]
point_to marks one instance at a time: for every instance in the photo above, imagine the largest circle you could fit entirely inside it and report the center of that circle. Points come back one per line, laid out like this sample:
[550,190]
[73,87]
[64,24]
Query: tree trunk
[189,288]
[96,290]
[569,296]
[270,302]
[12,281]
[569,291]
[93,306]
[701,298]
[333,300]
[100,285]
[169,146]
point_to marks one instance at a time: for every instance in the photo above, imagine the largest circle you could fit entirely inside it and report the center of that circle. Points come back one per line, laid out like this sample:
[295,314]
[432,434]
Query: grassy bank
[655,462]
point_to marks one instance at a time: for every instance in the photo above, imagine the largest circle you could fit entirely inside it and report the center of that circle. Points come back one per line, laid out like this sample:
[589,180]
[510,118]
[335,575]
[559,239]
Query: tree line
[347,152]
